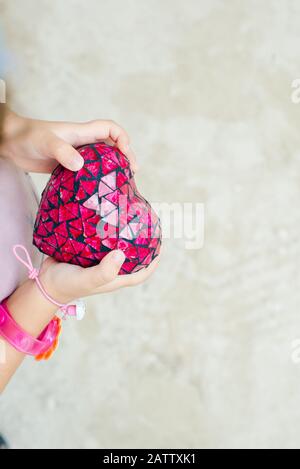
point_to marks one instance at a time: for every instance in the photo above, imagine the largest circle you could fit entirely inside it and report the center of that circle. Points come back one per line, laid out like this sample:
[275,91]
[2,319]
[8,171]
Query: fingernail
[119,256]
[77,163]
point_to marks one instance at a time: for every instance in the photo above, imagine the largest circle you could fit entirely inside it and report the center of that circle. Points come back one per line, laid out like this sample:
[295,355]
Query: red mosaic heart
[84,215]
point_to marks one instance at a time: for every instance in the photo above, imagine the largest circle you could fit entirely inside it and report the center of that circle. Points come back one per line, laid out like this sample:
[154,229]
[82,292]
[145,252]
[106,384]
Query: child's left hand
[37,146]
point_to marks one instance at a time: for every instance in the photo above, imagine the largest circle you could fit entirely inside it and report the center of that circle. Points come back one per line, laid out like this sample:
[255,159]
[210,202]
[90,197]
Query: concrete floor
[201,355]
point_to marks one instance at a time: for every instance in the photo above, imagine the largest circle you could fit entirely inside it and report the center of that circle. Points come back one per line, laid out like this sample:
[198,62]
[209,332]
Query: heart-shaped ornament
[84,215]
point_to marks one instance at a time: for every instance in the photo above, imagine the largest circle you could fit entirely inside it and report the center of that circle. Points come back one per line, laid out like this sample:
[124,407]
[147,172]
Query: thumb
[106,271]
[64,153]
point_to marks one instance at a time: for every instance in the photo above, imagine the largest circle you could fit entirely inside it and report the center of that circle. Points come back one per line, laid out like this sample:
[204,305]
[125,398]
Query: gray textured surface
[201,355]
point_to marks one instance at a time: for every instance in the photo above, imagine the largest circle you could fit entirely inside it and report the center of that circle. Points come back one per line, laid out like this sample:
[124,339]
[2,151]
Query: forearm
[8,120]
[32,312]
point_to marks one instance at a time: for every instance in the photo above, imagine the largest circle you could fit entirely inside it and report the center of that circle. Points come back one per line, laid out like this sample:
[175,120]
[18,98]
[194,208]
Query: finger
[130,280]
[107,130]
[64,153]
[127,151]
[121,139]
[105,272]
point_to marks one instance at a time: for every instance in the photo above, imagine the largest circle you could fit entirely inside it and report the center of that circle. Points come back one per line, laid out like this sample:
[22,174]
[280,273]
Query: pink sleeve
[18,205]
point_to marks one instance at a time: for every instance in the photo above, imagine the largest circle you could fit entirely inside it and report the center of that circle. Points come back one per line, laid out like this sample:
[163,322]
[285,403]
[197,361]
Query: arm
[64,282]
[32,312]
[38,146]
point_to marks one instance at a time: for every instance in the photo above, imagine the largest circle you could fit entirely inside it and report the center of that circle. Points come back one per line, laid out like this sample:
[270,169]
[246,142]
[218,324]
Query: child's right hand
[66,282]
[38,146]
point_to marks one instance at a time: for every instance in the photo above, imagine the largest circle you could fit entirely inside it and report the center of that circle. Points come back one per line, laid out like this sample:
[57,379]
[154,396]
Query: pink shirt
[18,205]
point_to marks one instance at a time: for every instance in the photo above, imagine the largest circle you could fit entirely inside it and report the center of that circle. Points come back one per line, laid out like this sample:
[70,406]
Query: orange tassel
[48,354]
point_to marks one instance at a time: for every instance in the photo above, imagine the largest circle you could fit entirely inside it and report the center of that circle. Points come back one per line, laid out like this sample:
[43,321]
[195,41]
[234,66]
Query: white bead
[80,309]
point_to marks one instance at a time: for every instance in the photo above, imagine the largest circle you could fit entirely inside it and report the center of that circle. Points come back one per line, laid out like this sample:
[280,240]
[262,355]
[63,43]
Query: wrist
[54,286]
[30,309]
[12,126]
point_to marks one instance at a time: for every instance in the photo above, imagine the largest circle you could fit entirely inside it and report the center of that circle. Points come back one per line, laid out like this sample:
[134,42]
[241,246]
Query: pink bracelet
[42,347]
[77,309]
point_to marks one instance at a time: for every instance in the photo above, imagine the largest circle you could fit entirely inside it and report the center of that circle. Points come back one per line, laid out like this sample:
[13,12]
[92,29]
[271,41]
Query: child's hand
[38,146]
[66,282]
